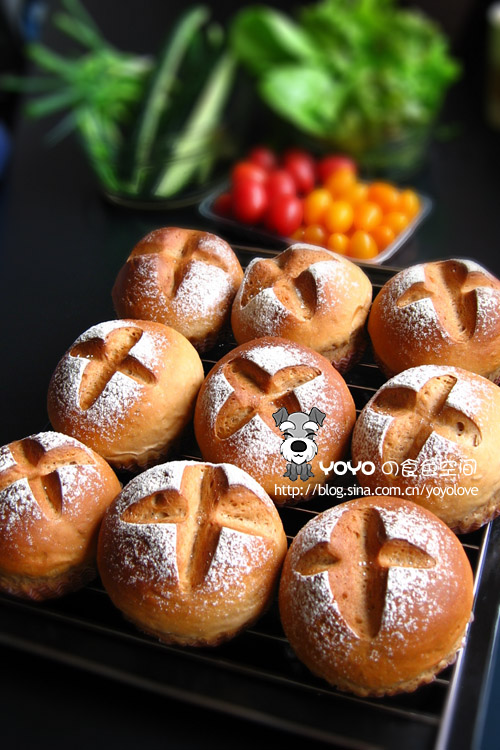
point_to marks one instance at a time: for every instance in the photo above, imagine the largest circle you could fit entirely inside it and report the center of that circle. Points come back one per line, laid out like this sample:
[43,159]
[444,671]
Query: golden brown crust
[376,595]
[126,388]
[308,295]
[430,436]
[190,552]
[53,494]
[444,313]
[234,412]
[183,278]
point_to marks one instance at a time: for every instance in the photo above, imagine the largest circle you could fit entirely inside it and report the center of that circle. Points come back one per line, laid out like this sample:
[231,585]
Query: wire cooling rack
[256,675]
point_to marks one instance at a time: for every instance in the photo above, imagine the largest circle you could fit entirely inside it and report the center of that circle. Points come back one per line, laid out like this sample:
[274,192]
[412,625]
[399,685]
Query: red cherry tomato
[280,182]
[302,167]
[264,157]
[245,170]
[327,165]
[284,215]
[249,201]
[223,205]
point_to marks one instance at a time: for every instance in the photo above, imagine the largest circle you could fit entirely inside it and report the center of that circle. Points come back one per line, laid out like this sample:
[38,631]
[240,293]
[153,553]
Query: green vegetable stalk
[144,128]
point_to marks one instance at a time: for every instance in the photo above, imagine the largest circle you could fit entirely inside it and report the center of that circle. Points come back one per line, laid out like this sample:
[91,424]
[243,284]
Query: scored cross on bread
[204,504]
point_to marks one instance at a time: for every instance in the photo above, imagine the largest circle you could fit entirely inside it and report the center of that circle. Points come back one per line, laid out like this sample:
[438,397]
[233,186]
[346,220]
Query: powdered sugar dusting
[236,476]
[19,511]
[218,390]
[488,312]
[7,460]
[369,433]
[235,557]
[265,312]
[257,444]
[51,440]
[203,290]
[275,357]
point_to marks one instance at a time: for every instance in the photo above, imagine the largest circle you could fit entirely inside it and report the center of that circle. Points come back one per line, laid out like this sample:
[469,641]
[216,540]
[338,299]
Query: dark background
[61,245]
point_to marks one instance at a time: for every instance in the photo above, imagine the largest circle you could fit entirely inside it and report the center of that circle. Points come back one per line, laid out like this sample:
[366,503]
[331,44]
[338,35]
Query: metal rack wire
[256,675]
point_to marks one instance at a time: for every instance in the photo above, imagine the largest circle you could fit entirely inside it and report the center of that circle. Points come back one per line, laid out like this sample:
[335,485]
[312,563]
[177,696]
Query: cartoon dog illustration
[298,446]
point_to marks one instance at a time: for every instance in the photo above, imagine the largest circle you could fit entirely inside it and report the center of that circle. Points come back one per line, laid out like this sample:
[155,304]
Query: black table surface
[61,247]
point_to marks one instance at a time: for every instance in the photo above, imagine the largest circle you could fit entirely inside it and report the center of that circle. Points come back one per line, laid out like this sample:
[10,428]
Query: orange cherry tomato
[315,205]
[409,203]
[383,236]
[367,216]
[385,195]
[315,234]
[362,246]
[338,217]
[396,220]
[338,242]
[298,235]
[356,193]
[341,181]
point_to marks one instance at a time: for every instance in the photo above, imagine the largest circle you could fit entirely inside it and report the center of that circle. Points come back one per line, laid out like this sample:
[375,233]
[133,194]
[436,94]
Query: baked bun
[127,389]
[53,494]
[183,278]
[376,595]
[442,313]
[431,434]
[190,552]
[308,295]
[246,414]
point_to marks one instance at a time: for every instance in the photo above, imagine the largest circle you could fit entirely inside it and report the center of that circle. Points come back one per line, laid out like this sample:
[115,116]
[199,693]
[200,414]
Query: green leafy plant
[148,125]
[355,74]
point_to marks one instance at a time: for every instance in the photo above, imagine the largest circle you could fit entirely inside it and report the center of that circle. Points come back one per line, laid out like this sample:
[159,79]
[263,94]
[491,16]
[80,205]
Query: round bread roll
[376,595]
[127,389]
[191,552]
[430,433]
[183,278]
[442,313]
[275,408]
[308,295]
[53,494]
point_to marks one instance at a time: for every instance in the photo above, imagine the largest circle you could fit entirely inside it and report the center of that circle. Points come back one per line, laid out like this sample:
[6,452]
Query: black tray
[256,676]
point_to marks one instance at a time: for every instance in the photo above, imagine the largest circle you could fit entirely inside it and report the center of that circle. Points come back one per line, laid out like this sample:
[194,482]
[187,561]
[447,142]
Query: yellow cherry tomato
[315,234]
[362,246]
[385,195]
[315,205]
[338,217]
[409,203]
[341,181]
[396,220]
[367,216]
[338,242]
[383,236]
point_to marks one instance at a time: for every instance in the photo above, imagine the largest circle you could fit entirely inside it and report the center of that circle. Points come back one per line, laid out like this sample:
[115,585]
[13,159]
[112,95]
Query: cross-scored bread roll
[236,414]
[183,278]
[127,389]
[53,494]
[443,313]
[308,295]
[376,595]
[190,552]
[431,435]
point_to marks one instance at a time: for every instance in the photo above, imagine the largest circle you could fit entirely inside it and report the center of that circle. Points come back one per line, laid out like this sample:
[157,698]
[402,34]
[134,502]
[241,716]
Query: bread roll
[442,313]
[53,493]
[127,389]
[308,295]
[376,595]
[431,434]
[191,552]
[183,278]
[239,416]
